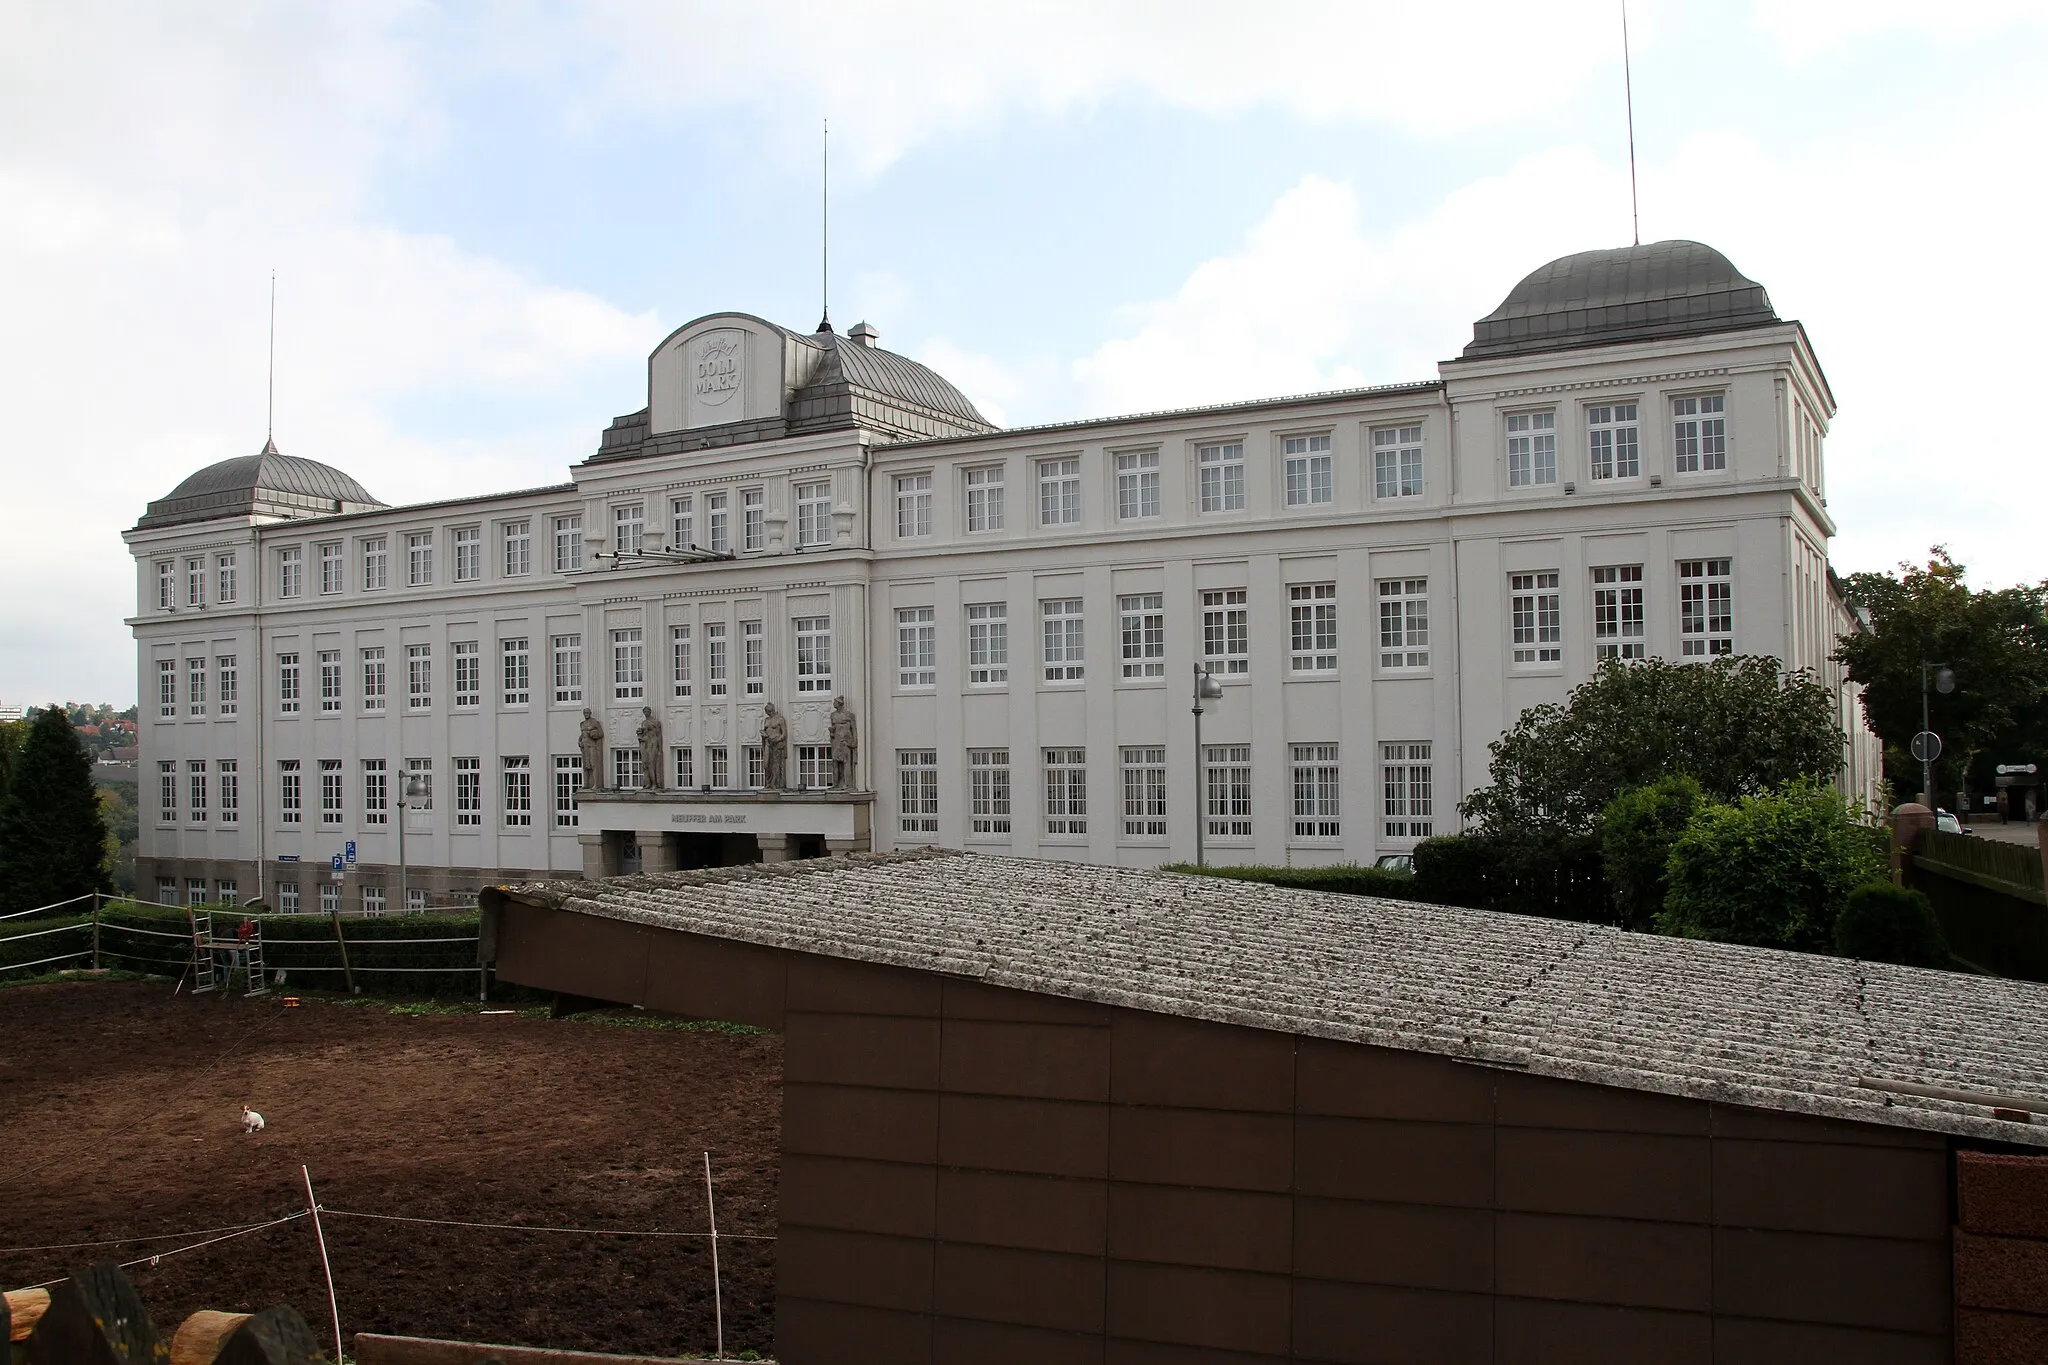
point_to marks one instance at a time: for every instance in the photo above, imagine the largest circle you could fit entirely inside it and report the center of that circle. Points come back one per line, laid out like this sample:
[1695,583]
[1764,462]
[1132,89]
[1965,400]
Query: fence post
[347,975]
[95,931]
[717,1294]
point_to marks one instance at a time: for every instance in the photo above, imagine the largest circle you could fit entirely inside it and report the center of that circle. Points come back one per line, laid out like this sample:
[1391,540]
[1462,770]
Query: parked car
[1395,862]
[1948,824]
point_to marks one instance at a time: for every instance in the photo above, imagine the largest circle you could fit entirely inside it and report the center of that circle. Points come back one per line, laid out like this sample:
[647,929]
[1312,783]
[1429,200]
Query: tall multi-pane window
[469,553]
[1619,629]
[755,762]
[1706,608]
[333,573]
[718,522]
[629,665]
[1404,622]
[1535,618]
[1144,774]
[1397,462]
[718,766]
[753,520]
[374,902]
[984,498]
[227,684]
[288,683]
[1064,653]
[291,571]
[1312,627]
[813,767]
[195,686]
[917,791]
[166,584]
[1059,492]
[629,773]
[518,789]
[913,505]
[227,774]
[195,790]
[1316,785]
[1141,620]
[167,791]
[419,677]
[714,658]
[917,647]
[568,781]
[518,548]
[469,672]
[1066,792]
[517,659]
[1699,434]
[988,643]
[679,659]
[1227,790]
[419,559]
[1226,632]
[813,653]
[1222,476]
[1532,449]
[330,680]
[373,678]
[229,892]
[1614,442]
[376,563]
[469,791]
[376,791]
[753,658]
[988,791]
[682,767]
[167,689]
[224,587]
[288,898]
[568,667]
[290,797]
[1311,479]
[330,791]
[629,528]
[195,582]
[682,522]
[813,514]
[1409,791]
[1137,484]
[568,532]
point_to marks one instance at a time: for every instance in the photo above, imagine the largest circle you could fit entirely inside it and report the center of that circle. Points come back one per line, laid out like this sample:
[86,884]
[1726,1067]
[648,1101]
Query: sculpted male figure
[845,744]
[649,735]
[590,739]
[774,749]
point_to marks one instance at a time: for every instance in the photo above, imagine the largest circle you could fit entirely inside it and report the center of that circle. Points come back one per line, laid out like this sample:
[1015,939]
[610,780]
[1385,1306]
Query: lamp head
[1945,680]
[1207,688]
[414,789]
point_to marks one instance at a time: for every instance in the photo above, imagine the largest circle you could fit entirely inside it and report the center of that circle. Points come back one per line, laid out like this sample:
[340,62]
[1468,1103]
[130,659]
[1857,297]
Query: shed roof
[1751,1026]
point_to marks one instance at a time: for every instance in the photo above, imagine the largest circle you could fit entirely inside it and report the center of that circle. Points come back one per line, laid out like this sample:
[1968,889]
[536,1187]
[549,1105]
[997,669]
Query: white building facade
[1627,461]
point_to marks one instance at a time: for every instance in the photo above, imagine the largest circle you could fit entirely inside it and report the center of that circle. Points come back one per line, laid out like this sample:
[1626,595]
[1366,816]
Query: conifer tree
[52,835]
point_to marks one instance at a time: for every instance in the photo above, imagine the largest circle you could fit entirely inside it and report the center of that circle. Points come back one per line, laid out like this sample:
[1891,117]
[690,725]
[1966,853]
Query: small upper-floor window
[469,672]
[518,548]
[913,505]
[167,689]
[813,514]
[813,653]
[753,520]
[195,686]
[1619,628]
[166,584]
[373,678]
[1226,632]
[1699,434]
[419,559]
[517,659]
[1059,492]
[419,677]
[714,658]
[1706,608]
[568,543]
[227,684]
[629,527]
[1311,480]
[682,522]
[1141,618]
[679,659]
[1397,462]
[376,563]
[291,571]
[1532,449]
[288,682]
[195,582]
[224,578]
[330,679]
[718,522]
[1222,474]
[1137,484]
[332,575]
[753,657]
[1535,618]
[985,498]
[1404,622]
[469,553]
[1614,445]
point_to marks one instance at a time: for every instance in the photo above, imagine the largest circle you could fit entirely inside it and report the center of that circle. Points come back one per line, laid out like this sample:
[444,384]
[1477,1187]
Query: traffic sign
[348,852]
[1926,746]
[2029,768]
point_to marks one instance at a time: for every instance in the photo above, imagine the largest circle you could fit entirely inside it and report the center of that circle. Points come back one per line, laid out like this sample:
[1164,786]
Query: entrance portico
[664,831]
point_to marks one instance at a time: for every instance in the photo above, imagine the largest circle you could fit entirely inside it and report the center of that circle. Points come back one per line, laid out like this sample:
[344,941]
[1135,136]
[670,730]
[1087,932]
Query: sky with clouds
[483,216]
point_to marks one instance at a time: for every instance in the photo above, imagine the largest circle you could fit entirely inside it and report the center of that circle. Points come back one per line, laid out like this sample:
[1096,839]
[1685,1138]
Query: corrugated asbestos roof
[1750,1026]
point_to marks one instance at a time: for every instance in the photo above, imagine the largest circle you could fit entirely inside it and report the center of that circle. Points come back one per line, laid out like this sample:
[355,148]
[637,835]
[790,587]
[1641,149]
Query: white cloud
[1807,28]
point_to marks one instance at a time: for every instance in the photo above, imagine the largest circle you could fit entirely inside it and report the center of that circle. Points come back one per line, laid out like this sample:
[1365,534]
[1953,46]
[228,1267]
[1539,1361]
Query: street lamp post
[1944,683]
[414,790]
[1206,689]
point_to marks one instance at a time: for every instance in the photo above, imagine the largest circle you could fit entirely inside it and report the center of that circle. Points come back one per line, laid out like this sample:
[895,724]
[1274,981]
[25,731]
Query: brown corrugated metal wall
[979,1174]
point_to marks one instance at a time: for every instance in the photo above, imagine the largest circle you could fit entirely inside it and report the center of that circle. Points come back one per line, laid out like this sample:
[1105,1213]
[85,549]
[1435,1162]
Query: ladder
[259,980]
[202,952]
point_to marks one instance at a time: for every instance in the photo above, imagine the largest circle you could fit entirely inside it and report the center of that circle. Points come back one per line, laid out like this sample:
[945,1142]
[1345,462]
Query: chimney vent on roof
[864,334]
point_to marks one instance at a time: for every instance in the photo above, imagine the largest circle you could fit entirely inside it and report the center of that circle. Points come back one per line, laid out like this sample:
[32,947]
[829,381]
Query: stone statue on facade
[845,745]
[590,739]
[774,749]
[649,735]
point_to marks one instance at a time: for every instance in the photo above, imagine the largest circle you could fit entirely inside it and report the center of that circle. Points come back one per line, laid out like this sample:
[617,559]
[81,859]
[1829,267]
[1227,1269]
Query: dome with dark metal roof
[880,390]
[1632,293]
[266,484]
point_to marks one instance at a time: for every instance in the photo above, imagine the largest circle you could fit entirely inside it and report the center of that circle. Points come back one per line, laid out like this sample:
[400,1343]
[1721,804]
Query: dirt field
[119,1116]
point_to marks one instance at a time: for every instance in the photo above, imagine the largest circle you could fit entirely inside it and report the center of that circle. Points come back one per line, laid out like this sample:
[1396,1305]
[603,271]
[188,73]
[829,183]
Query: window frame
[1063,639]
[917,791]
[813,640]
[629,663]
[1142,771]
[1141,635]
[990,803]
[1614,441]
[517,538]
[419,559]
[1538,441]
[1059,490]
[914,505]
[1625,582]
[1316,778]
[1066,792]
[466,662]
[376,561]
[1703,631]
[1227,792]
[1309,462]
[917,648]
[515,670]
[565,668]
[1403,610]
[1225,491]
[988,644]
[1392,447]
[1226,631]
[1400,763]
[1699,433]
[1139,495]
[1536,619]
[466,548]
[813,499]
[1312,637]
[983,494]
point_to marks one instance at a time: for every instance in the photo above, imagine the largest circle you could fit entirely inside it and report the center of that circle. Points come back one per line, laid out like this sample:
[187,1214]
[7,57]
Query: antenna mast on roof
[270,396]
[1629,93]
[825,233]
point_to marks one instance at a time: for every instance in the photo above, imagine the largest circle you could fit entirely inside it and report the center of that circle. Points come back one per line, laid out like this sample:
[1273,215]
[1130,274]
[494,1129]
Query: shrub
[1885,923]
[1772,871]
[1637,830]
[1547,873]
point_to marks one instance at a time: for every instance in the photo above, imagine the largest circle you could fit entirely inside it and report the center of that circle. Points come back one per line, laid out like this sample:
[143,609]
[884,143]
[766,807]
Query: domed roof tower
[1631,293]
[266,484]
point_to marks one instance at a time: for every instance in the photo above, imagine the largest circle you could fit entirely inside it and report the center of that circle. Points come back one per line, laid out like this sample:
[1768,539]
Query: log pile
[97,1318]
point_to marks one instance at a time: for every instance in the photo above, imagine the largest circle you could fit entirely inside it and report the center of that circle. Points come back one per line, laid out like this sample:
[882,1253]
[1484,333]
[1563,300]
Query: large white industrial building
[1626,460]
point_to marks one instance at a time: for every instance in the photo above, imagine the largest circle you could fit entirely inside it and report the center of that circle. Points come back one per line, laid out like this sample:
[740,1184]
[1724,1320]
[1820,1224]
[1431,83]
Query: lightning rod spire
[1628,89]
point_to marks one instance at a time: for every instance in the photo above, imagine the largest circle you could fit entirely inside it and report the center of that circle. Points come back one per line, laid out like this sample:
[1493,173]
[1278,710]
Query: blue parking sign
[337,862]
[348,852]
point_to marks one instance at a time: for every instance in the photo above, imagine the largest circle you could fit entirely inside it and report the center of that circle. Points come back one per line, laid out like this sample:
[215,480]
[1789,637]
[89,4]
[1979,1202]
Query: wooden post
[95,931]
[333,1305]
[717,1295]
[348,977]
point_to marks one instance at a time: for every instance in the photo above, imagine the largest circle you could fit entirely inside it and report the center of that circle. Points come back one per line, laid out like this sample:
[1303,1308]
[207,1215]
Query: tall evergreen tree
[53,837]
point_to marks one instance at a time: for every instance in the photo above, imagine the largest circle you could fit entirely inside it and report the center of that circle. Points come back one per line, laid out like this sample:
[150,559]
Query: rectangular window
[568,781]
[518,790]
[1618,624]
[1410,792]
[718,521]
[167,791]
[376,563]
[166,584]
[1404,622]
[679,659]
[988,643]
[330,679]
[1397,462]
[330,899]
[288,683]
[1614,446]
[228,773]
[518,671]
[1066,792]
[419,559]
[755,763]
[628,774]
[629,528]
[1137,484]
[1706,610]
[753,520]
[1316,784]
[373,679]
[917,647]
[714,658]
[813,767]
[682,522]
[469,553]
[166,891]
[374,903]
[568,660]
[376,791]
[985,498]
[167,689]
[1059,492]
[195,789]
[195,891]
[1699,434]
[195,582]
[683,763]
[753,658]
[518,548]
[1536,619]
[1064,654]
[291,571]
[1141,619]
[1532,449]
[419,677]
[1222,475]
[332,572]
[568,543]
[227,684]
[917,790]
[1311,479]
[629,665]
[224,573]
[718,766]
[813,653]
[469,673]
[813,515]
[288,898]
[1312,627]
[913,506]
[1227,790]
[1226,632]
[988,783]
[195,687]
[288,793]
[330,792]
[1144,772]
